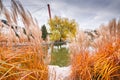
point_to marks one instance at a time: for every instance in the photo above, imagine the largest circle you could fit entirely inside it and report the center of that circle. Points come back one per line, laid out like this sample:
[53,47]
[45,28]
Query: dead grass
[21,62]
[104,62]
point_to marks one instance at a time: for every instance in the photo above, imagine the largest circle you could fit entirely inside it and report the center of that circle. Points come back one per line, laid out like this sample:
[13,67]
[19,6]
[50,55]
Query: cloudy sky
[89,14]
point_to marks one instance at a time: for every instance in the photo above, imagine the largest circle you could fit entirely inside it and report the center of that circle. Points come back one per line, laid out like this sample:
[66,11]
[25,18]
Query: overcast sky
[89,14]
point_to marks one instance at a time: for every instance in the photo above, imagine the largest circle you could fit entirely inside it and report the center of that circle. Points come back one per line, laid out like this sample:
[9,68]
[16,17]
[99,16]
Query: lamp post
[49,11]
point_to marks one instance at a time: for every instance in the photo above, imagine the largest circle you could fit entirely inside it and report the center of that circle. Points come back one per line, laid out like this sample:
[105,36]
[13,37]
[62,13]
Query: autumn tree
[62,28]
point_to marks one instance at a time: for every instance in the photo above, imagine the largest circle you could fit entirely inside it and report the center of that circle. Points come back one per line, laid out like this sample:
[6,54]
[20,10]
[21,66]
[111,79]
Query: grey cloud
[88,13]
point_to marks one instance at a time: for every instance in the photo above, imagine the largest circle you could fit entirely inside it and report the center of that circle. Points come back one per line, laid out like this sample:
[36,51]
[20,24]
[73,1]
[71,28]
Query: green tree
[62,28]
[44,32]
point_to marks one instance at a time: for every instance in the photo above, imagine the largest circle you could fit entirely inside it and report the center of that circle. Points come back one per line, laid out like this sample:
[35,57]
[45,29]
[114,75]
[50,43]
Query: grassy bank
[60,57]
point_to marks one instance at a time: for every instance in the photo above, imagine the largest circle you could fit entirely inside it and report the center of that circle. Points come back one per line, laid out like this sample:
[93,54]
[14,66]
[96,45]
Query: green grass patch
[60,57]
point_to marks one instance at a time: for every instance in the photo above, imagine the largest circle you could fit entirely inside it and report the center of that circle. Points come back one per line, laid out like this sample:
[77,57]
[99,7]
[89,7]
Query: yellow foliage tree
[62,28]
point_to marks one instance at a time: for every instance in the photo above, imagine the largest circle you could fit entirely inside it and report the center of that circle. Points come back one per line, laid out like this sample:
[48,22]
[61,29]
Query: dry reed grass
[21,62]
[104,62]
[30,24]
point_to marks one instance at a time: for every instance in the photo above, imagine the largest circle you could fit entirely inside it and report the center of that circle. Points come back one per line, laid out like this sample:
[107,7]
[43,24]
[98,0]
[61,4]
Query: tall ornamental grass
[103,61]
[21,59]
